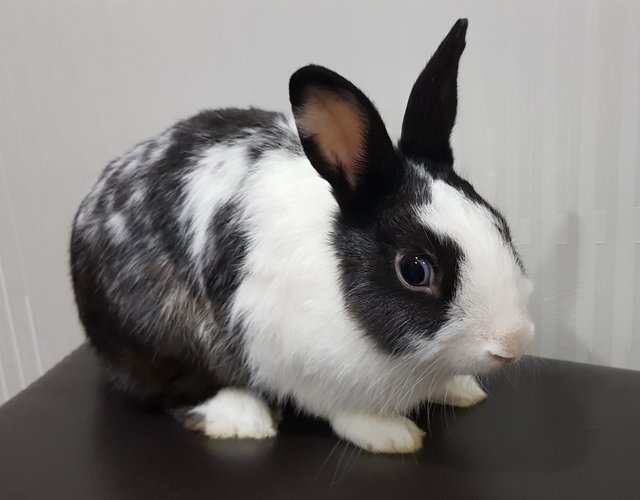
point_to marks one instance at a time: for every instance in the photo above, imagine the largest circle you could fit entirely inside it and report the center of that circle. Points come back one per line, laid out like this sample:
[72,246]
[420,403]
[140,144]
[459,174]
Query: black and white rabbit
[241,259]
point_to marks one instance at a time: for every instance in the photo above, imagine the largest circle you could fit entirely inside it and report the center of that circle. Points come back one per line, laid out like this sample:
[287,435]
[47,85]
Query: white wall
[548,129]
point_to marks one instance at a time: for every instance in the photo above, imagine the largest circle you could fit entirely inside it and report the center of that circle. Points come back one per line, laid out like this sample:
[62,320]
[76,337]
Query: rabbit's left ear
[343,137]
[433,103]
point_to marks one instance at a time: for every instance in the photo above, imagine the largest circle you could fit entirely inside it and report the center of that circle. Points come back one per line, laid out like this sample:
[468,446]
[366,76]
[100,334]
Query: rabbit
[244,259]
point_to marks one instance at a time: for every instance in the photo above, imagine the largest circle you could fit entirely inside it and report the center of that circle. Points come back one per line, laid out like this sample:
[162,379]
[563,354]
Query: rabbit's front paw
[461,390]
[231,413]
[378,434]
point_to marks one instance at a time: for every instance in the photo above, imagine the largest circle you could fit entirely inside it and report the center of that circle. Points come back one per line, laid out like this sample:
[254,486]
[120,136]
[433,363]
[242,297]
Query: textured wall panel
[548,130]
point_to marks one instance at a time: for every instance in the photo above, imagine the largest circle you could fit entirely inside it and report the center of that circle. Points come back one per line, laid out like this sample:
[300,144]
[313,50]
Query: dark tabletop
[549,429]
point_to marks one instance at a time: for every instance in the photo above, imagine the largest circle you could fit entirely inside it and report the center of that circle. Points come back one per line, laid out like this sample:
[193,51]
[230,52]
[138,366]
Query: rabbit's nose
[506,346]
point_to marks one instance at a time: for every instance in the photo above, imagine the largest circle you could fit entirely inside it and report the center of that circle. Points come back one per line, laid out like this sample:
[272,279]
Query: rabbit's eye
[415,270]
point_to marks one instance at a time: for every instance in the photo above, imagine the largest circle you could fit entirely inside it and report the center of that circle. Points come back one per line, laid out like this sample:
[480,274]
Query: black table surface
[550,429]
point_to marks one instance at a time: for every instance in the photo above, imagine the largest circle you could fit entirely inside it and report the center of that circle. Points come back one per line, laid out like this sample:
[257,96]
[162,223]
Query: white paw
[232,413]
[462,391]
[379,434]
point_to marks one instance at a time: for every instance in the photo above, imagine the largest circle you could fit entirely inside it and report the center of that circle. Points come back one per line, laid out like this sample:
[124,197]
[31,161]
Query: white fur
[137,196]
[236,413]
[117,227]
[490,307]
[214,180]
[379,434]
[131,161]
[161,145]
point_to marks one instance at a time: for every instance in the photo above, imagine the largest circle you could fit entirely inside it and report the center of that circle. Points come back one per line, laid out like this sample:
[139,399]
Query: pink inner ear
[337,126]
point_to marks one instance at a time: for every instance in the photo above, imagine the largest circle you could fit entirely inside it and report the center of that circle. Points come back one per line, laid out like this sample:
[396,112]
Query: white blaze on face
[490,305]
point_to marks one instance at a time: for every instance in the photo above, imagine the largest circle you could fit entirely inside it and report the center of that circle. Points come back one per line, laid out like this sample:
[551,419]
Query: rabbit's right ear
[433,103]
[343,137]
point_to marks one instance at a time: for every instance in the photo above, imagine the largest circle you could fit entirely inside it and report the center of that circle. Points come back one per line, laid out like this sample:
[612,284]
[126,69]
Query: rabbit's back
[157,251]
[160,194]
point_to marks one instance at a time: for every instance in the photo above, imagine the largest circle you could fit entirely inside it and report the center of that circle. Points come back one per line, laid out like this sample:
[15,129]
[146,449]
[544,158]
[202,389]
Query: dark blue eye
[415,270]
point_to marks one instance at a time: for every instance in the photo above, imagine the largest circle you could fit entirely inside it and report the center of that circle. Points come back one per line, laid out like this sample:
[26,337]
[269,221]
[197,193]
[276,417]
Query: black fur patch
[390,313]
[433,103]
[227,249]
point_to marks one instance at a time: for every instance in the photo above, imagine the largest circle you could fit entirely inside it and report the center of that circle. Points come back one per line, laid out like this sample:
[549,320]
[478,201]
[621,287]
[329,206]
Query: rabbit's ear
[432,107]
[343,136]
